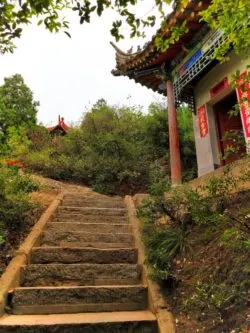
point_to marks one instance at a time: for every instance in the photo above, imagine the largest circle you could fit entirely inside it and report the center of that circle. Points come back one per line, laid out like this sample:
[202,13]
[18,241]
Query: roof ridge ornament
[125,54]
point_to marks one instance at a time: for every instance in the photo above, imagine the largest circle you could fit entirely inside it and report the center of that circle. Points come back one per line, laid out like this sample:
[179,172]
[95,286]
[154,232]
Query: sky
[68,75]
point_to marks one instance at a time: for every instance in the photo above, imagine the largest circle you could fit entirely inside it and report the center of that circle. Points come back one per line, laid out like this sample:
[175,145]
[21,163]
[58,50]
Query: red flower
[16,163]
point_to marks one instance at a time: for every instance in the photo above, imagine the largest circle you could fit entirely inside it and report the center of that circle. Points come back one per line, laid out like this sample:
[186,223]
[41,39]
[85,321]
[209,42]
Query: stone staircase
[83,275]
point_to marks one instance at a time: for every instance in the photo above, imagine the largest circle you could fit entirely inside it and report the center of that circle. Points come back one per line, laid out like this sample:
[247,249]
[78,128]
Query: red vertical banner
[243,92]
[202,121]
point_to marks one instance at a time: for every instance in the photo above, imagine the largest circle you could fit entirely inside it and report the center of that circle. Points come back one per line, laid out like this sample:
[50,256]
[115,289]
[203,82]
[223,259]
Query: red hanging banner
[202,121]
[243,92]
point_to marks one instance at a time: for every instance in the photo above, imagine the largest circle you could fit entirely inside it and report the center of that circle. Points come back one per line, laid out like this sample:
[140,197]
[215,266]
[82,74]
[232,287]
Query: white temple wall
[207,147]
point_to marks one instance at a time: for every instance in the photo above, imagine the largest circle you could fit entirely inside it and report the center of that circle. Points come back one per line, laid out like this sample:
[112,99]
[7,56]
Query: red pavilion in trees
[60,129]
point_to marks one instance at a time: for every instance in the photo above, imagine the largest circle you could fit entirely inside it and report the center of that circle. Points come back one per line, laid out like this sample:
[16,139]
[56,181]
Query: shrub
[22,184]
[185,208]
[13,183]
[14,207]
[163,244]
[115,150]
[13,214]
[221,186]
[158,180]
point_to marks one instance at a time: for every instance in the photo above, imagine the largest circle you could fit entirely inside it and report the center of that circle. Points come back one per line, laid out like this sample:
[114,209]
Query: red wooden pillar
[174,144]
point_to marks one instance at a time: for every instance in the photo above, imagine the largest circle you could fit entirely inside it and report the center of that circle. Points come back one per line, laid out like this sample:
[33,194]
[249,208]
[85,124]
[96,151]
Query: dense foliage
[14,206]
[116,149]
[17,106]
[231,16]
[17,117]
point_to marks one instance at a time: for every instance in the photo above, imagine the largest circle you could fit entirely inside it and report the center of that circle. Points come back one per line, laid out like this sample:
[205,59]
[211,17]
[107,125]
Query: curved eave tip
[117,48]
[124,54]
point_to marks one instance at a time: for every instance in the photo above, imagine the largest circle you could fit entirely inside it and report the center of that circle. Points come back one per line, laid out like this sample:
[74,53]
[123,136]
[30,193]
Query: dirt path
[50,188]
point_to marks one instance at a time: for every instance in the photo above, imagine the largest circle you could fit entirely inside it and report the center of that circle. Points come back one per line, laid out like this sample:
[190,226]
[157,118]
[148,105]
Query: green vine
[232,17]
[163,43]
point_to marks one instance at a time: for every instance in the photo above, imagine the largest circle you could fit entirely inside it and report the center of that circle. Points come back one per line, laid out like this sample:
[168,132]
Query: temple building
[187,72]
[60,129]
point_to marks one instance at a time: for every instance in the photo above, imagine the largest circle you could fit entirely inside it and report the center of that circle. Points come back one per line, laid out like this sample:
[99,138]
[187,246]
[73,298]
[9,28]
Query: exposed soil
[237,169]
[7,250]
[213,276]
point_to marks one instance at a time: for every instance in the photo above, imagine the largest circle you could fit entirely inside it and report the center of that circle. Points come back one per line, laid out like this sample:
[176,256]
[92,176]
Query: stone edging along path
[157,304]
[11,277]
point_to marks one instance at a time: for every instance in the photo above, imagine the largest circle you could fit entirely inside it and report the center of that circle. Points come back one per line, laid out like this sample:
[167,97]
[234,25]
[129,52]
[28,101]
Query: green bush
[12,183]
[38,161]
[163,245]
[203,210]
[14,207]
[158,180]
[21,184]
[163,242]
[115,149]
[13,214]
[221,186]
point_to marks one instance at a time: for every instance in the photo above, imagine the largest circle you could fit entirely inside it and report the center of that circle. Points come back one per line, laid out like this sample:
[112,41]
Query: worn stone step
[104,228]
[46,300]
[92,245]
[93,211]
[80,275]
[104,322]
[77,238]
[41,255]
[93,203]
[74,217]
[93,198]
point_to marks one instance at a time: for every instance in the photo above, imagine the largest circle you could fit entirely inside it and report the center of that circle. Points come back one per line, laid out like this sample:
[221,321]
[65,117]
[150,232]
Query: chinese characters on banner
[202,121]
[243,92]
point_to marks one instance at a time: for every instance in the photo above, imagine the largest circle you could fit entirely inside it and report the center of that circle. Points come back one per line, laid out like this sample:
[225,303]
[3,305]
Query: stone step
[93,203]
[105,322]
[41,255]
[104,228]
[93,198]
[93,211]
[74,217]
[49,300]
[84,239]
[80,275]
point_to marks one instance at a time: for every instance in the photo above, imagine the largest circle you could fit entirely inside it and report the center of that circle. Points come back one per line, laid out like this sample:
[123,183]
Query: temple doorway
[229,130]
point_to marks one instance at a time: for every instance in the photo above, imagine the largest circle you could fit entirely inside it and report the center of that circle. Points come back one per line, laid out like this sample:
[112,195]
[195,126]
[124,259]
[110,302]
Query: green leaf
[67,33]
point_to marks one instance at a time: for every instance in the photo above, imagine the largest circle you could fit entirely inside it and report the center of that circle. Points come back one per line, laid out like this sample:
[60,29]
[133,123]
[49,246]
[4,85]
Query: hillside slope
[197,242]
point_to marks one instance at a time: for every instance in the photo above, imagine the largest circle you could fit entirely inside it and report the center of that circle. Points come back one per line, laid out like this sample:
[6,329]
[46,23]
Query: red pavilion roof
[61,125]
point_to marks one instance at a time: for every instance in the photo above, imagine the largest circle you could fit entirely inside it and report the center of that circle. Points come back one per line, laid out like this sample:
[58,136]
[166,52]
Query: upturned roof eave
[63,127]
[150,55]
